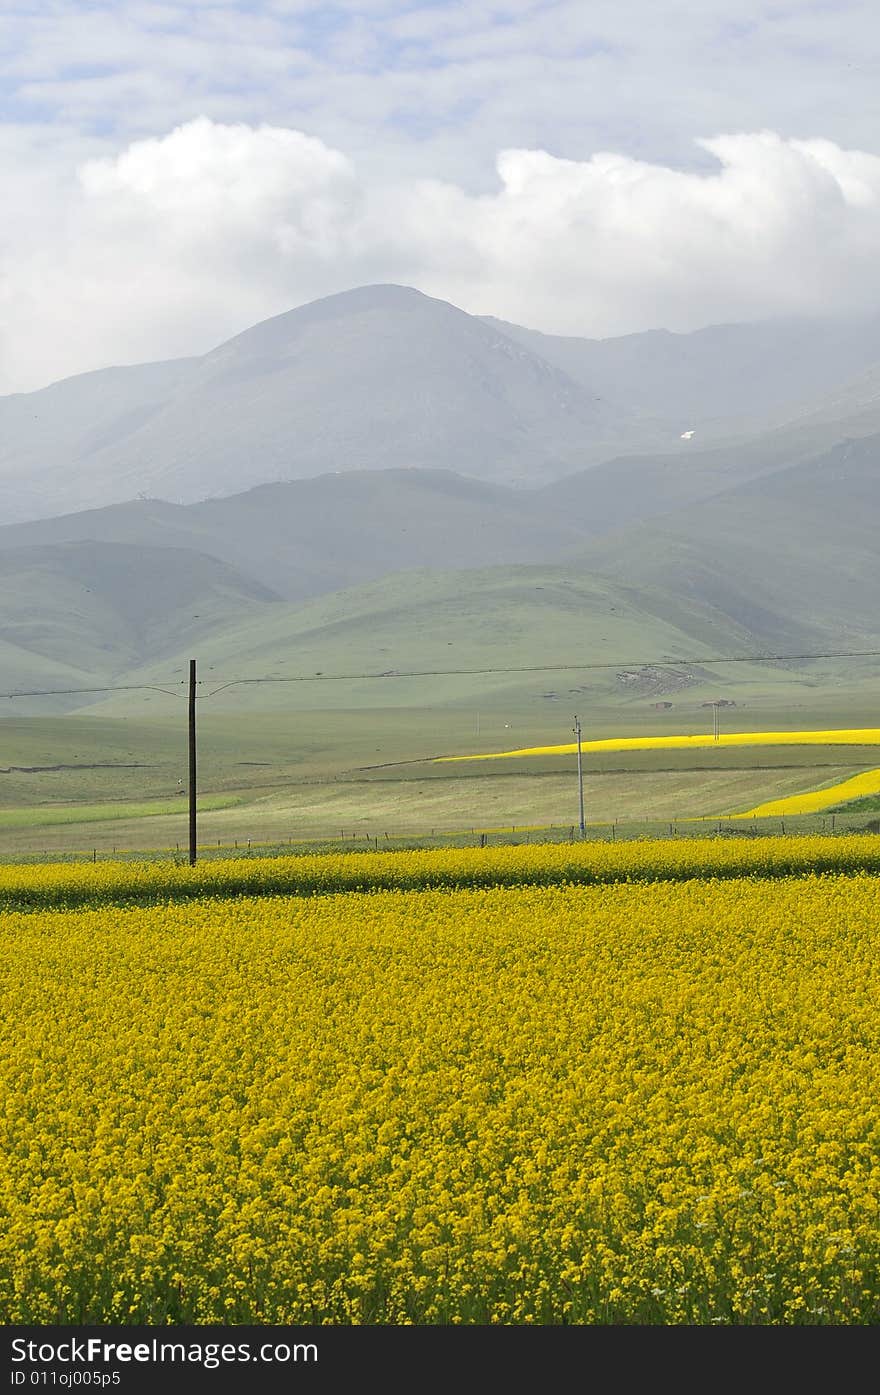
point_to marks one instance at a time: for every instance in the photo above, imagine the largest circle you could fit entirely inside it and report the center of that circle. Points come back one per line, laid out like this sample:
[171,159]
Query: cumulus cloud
[176,242]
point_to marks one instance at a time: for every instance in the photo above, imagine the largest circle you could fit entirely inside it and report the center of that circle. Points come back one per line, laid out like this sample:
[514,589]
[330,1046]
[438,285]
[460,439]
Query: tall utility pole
[577,731]
[192,762]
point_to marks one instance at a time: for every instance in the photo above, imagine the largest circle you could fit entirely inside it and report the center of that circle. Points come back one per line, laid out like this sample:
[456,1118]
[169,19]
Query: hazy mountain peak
[371,378]
[383,376]
[360,300]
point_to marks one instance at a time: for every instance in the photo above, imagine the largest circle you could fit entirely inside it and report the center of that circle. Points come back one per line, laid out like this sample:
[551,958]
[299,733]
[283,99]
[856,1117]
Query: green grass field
[43,816]
[97,782]
[300,759]
[868,804]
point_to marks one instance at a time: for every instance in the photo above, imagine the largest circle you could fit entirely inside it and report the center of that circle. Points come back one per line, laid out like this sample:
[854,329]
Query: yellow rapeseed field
[68,885]
[813,801]
[622,1103]
[857,736]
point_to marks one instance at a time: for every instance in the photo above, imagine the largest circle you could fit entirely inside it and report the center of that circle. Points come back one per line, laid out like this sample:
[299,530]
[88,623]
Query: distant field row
[638,802]
[858,787]
[39,817]
[34,887]
[864,736]
[69,785]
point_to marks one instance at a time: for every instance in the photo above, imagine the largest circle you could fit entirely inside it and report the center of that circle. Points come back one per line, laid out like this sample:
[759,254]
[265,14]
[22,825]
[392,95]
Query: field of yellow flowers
[836,736]
[66,885]
[633,1102]
[811,801]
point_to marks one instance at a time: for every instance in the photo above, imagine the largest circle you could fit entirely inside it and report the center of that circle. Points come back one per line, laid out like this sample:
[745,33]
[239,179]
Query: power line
[547,668]
[105,688]
[318,677]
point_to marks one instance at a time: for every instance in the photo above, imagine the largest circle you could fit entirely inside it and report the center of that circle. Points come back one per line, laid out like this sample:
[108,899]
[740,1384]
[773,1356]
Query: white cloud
[176,242]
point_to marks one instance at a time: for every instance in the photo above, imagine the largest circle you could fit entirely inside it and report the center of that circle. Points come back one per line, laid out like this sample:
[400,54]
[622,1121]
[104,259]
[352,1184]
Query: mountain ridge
[360,380]
[385,376]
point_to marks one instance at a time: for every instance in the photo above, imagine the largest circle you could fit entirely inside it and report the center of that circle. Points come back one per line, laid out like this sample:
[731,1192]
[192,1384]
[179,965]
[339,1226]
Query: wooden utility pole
[192,762]
[577,732]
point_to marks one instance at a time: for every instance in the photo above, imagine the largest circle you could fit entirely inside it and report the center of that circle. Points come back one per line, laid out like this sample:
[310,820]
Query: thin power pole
[577,732]
[192,762]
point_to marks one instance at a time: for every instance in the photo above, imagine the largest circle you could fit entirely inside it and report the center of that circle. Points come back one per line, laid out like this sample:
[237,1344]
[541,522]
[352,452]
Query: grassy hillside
[722,583]
[80,615]
[24,671]
[789,557]
[311,536]
[640,488]
[529,618]
[630,490]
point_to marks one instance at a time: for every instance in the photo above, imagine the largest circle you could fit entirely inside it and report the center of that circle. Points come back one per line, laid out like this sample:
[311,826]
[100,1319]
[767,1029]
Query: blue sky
[413,107]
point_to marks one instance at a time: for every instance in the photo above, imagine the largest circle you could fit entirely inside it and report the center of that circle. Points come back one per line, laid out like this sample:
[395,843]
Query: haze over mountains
[739,374]
[383,376]
[380,435]
[790,555]
[378,377]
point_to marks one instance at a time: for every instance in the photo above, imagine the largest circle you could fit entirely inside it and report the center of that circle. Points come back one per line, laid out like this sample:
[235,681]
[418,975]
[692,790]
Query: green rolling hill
[429,622]
[793,557]
[306,537]
[387,571]
[83,613]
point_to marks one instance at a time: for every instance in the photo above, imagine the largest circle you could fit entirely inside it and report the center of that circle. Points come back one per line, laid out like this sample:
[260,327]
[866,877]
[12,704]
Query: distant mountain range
[371,379]
[384,377]
[739,377]
[668,495]
[311,536]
